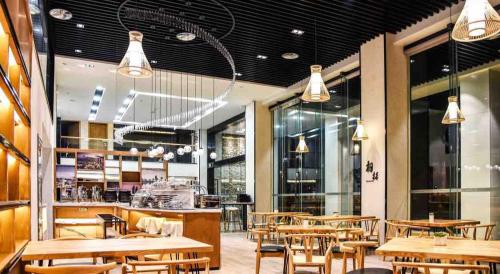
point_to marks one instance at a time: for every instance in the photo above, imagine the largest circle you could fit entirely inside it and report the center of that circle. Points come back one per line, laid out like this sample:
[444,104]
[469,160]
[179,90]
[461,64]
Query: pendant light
[134,63]
[360,133]
[213,154]
[316,90]
[180,151]
[453,113]
[302,146]
[477,21]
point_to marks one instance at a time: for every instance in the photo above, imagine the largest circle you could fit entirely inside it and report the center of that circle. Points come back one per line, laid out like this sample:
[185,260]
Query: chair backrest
[471,231]
[187,264]
[70,269]
[445,267]
[396,230]
[140,235]
[371,226]
[309,242]
[259,234]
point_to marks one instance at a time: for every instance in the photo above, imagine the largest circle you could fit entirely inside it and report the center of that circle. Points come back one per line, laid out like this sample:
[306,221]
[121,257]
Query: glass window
[327,179]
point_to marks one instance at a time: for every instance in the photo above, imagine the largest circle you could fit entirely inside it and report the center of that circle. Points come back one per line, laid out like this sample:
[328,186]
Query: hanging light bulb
[134,63]
[316,90]
[180,151]
[360,133]
[160,150]
[165,157]
[477,21]
[187,149]
[171,155]
[213,155]
[453,113]
[151,154]
[134,151]
[302,146]
[356,149]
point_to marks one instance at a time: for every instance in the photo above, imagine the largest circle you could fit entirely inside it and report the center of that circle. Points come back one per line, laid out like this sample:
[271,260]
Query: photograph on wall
[90,161]
[149,176]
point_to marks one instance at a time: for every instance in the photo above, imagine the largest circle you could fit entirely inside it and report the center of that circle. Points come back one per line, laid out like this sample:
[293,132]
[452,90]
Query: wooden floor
[238,257]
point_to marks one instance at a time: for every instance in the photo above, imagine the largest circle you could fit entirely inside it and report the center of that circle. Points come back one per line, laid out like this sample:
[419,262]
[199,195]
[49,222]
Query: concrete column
[385,111]
[250,149]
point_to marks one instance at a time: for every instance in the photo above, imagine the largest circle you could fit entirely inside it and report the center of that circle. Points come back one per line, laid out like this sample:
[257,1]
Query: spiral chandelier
[187,117]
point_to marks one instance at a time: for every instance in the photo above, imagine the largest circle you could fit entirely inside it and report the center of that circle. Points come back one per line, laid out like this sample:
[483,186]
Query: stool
[232,217]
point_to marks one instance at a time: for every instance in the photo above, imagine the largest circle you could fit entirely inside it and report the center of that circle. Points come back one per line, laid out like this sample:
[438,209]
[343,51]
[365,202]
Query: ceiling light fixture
[297,32]
[262,57]
[316,91]
[127,102]
[477,21]
[360,133]
[60,14]
[34,9]
[185,36]
[80,26]
[96,102]
[290,55]
[78,51]
[154,62]
[238,74]
[453,113]
[134,63]
[302,146]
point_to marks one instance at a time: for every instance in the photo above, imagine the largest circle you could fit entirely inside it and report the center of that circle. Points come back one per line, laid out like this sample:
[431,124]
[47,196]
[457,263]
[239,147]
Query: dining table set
[468,242]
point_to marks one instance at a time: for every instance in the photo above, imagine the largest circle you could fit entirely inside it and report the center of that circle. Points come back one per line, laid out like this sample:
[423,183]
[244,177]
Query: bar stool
[232,217]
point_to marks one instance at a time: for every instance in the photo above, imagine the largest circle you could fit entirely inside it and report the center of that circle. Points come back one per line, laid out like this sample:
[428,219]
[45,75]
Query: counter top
[127,207]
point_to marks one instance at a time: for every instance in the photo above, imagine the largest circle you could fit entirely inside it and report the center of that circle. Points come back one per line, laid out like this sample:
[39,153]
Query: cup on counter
[431,217]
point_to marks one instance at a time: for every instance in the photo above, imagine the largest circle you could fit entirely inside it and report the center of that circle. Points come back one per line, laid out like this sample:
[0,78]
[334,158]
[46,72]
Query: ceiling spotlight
[262,57]
[297,32]
[185,36]
[80,26]
[238,74]
[154,62]
[290,55]
[78,51]
[60,14]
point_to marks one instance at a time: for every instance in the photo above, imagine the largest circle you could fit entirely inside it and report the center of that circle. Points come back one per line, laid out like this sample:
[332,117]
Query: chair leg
[257,263]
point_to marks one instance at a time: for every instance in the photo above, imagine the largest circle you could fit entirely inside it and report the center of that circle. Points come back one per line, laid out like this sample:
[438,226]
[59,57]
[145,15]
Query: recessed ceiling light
[297,32]
[338,106]
[86,65]
[78,51]
[185,36]
[290,55]
[154,61]
[262,57]
[238,74]
[60,14]
[80,26]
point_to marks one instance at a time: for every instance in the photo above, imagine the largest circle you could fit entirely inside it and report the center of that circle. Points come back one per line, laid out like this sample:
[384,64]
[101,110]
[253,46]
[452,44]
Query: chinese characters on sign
[369,169]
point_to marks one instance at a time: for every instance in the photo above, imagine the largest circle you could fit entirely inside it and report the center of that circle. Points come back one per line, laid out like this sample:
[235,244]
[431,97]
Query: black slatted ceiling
[261,27]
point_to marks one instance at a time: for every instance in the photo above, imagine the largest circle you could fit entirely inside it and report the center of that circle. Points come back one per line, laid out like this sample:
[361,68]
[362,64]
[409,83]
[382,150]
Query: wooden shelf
[10,147]
[14,204]
[13,96]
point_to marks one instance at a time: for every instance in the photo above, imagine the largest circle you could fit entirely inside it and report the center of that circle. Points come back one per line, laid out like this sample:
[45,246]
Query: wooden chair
[429,268]
[142,235]
[396,230]
[263,251]
[322,259]
[471,231]
[371,228]
[70,269]
[346,235]
[170,266]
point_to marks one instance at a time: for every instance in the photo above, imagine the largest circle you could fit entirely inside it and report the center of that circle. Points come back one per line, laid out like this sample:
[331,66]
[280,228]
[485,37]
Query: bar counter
[72,218]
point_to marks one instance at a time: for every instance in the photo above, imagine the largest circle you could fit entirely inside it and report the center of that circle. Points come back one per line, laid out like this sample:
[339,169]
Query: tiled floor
[238,257]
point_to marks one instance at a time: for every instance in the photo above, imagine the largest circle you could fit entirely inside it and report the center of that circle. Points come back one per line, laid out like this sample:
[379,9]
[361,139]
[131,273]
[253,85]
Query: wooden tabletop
[326,218]
[45,250]
[438,223]
[277,214]
[424,248]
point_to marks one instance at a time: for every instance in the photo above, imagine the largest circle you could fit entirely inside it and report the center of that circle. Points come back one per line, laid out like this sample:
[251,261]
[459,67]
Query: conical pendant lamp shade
[134,63]
[316,90]
[453,113]
[360,133]
[478,21]
[302,146]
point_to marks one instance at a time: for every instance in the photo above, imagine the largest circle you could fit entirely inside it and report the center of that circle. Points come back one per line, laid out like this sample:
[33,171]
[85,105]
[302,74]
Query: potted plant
[440,238]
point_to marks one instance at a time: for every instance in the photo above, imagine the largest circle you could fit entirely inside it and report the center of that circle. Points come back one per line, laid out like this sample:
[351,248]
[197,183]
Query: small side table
[110,220]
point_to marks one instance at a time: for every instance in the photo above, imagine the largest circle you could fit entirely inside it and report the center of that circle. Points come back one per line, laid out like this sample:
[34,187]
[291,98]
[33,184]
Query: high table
[424,248]
[73,249]
[243,211]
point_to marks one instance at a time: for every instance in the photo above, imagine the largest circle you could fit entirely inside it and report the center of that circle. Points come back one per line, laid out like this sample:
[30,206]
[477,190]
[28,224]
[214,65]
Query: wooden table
[424,248]
[448,225]
[46,250]
[297,229]
[333,218]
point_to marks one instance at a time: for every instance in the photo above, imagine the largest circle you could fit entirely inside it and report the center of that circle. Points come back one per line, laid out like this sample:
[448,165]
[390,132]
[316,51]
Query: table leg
[104,232]
[244,209]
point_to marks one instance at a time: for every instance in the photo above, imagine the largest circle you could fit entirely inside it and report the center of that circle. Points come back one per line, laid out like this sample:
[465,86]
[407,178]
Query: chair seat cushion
[371,270]
[271,248]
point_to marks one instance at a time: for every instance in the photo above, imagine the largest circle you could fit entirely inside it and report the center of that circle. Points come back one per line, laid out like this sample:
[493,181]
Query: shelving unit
[121,169]
[15,144]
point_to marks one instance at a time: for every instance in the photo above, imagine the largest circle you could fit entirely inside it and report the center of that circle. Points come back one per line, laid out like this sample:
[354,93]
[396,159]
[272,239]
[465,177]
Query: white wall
[41,127]
[333,179]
